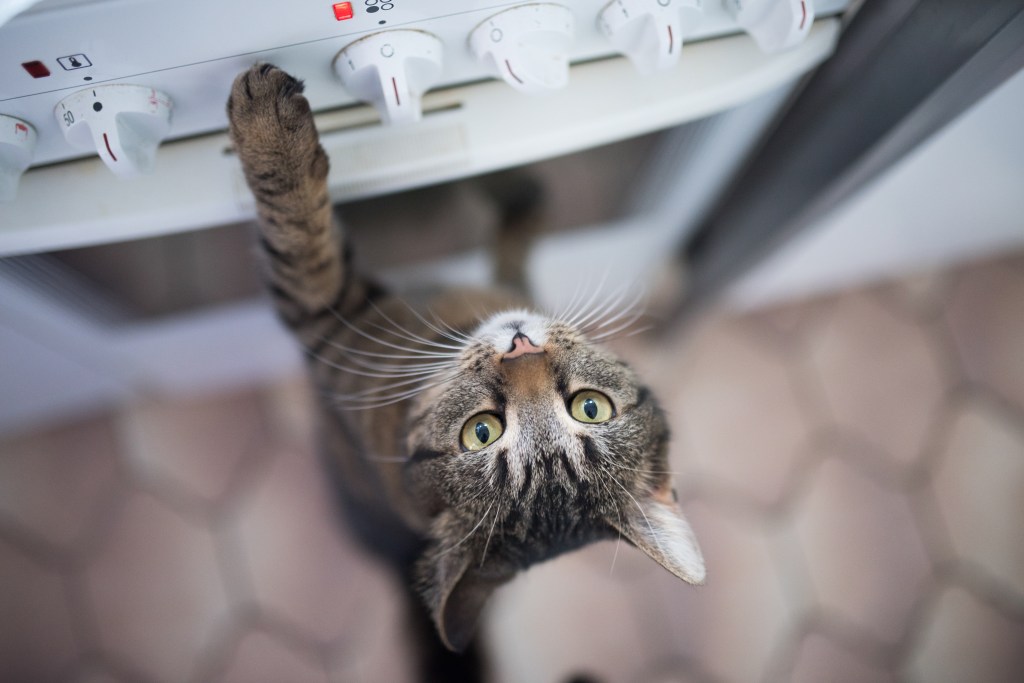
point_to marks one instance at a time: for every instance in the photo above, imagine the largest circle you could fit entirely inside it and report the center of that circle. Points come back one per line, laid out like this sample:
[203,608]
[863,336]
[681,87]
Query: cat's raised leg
[286,169]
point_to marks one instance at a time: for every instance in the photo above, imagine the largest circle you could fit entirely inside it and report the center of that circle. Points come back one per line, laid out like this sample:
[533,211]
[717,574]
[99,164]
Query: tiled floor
[853,466]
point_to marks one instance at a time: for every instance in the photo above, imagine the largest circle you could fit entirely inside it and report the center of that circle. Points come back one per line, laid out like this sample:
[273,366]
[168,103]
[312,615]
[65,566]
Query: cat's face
[539,443]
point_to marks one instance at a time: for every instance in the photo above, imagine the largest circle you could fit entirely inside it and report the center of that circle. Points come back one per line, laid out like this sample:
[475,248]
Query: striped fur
[399,382]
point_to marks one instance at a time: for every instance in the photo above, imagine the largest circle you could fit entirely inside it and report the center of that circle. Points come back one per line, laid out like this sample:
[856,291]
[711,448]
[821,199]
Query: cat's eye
[591,407]
[480,431]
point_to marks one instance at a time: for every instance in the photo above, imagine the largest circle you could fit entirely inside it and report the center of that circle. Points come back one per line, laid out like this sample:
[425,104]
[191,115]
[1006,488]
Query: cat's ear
[456,590]
[656,525]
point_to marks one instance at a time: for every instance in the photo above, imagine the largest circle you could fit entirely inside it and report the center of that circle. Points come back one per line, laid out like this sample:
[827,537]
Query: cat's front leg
[286,169]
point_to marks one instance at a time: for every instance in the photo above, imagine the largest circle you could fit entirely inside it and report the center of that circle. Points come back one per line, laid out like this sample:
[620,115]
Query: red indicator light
[342,11]
[36,69]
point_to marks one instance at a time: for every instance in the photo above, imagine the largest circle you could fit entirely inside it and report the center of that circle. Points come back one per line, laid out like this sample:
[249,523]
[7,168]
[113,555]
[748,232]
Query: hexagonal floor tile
[379,651]
[986,315]
[737,410]
[966,640]
[788,324]
[53,483]
[304,567]
[157,590]
[923,294]
[262,659]
[819,659]
[291,410]
[37,641]
[194,444]
[735,623]
[881,375]
[866,559]
[547,626]
[978,484]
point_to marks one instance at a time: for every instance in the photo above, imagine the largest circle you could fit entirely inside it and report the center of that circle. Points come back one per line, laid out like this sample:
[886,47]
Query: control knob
[650,32]
[123,123]
[17,142]
[527,46]
[391,70]
[775,25]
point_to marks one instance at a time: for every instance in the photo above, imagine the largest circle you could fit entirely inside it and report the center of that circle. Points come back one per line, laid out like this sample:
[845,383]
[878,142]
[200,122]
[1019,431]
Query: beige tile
[672,673]
[966,640]
[737,410]
[560,619]
[819,659]
[96,677]
[195,444]
[54,483]
[979,484]
[923,294]
[788,324]
[304,569]
[866,559]
[156,590]
[880,374]
[290,410]
[262,659]
[37,641]
[735,623]
[380,650]
[986,315]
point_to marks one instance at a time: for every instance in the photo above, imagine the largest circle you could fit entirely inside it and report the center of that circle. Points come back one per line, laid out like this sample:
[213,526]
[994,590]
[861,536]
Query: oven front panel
[192,50]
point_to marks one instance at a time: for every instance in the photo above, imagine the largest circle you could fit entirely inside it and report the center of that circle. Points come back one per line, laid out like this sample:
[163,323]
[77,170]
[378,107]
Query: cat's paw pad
[270,119]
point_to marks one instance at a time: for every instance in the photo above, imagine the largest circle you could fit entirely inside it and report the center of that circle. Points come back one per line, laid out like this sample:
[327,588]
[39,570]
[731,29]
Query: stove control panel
[115,77]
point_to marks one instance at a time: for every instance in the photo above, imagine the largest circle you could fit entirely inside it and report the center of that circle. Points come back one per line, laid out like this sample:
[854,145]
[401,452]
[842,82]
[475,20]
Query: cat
[469,436]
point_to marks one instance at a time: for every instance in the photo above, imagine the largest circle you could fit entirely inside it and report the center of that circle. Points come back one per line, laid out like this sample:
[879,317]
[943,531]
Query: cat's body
[468,436]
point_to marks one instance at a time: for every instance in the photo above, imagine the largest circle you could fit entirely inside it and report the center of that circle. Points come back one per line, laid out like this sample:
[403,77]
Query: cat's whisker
[414,354]
[618,542]
[384,388]
[378,375]
[564,313]
[441,327]
[600,313]
[623,334]
[371,402]
[626,324]
[471,531]
[601,310]
[487,544]
[399,368]
[614,311]
[408,334]
[391,361]
[608,461]
[654,535]
[400,335]
[585,309]
[382,370]
[366,335]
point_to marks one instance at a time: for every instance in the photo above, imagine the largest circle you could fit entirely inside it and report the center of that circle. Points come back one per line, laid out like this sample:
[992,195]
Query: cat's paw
[272,127]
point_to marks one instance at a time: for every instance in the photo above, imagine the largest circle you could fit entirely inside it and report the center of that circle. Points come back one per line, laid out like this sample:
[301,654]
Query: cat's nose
[521,345]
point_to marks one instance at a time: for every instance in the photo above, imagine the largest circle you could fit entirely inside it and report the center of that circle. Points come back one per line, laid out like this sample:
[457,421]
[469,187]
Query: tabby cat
[469,436]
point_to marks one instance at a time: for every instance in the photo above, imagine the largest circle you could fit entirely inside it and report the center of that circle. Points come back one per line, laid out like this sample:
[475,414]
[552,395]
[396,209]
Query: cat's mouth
[521,346]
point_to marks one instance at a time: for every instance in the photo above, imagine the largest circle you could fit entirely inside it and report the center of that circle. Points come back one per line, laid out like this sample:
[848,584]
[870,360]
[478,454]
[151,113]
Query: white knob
[527,46]
[391,70]
[774,25]
[17,142]
[650,32]
[123,123]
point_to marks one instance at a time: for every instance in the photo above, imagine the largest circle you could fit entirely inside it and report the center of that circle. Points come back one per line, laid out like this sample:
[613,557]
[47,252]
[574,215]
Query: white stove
[456,87]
